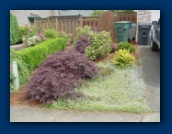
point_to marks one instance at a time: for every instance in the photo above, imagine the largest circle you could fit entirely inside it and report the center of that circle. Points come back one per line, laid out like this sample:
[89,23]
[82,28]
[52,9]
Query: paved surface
[31,114]
[18,47]
[151,72]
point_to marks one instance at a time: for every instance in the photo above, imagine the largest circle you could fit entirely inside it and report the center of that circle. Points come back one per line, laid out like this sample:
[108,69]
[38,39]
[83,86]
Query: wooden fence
[126,16]
[69,24]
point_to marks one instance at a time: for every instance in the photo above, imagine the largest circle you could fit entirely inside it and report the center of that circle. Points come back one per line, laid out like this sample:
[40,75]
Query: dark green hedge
[14,28]
[34,56]
[23,70]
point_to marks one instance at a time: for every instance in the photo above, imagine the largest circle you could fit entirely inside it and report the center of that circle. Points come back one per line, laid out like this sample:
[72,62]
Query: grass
[115,89]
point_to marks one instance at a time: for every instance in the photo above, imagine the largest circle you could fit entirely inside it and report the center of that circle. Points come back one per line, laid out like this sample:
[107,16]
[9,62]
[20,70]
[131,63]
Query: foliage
[100,45]
[127,46]
[26,32]
[117,90]
[33,41]
[36,40]
[50,33]
[62,34]
[123,58]
[82,43]
[80,31]
[97,12]
[34,56]
[23,70]
[13,29]
[59,75]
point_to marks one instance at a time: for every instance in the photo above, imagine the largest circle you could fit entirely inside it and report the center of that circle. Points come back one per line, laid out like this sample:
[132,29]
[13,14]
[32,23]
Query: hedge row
[23,70]
[34,56]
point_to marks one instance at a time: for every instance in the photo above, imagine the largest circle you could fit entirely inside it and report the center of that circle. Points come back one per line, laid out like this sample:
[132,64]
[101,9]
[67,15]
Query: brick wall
[22,15]
[144,16]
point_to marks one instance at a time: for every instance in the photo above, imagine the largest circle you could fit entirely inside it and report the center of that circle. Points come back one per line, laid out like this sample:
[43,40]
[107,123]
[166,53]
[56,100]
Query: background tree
[14,29]
[97,12]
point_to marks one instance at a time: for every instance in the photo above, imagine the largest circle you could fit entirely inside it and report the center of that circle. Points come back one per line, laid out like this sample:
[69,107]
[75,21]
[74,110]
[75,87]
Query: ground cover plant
[58,75]
[114,89]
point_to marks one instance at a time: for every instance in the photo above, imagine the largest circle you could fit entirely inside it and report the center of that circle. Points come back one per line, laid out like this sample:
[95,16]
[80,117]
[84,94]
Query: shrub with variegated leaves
[100,45]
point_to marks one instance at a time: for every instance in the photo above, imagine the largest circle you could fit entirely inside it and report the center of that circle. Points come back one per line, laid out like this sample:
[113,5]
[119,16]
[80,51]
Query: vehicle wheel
[154,46]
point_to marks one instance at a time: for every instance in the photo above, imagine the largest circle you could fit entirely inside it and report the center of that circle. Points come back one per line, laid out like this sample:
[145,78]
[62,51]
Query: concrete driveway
[151,73]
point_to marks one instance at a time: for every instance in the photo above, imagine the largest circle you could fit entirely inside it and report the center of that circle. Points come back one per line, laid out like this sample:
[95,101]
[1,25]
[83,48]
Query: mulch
[18,98]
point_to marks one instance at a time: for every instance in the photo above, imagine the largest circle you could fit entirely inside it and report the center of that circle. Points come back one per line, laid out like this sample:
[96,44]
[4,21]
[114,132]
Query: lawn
[114,89]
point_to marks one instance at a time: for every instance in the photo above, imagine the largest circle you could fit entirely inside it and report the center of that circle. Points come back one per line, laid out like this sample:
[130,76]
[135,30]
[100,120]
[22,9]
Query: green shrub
[80,31]
[127,46]
[50,33]
[123,58]
[97,12]
[14,28]
[100,45]
[27,32]
[62,34]
[34,56]
[23,70]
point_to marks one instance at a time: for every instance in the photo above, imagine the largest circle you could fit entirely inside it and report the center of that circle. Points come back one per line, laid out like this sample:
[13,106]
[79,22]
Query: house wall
[22,15]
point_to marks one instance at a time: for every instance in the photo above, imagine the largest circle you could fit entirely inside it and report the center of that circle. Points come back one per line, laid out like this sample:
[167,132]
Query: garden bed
[118,90]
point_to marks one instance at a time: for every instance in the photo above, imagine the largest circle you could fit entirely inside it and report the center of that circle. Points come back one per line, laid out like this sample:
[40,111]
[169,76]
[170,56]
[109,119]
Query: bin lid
[123,22]
[144,24]
[134,25]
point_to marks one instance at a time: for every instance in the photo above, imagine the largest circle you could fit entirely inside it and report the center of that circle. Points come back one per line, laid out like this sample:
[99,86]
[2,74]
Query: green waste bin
[143,33]
[122,30]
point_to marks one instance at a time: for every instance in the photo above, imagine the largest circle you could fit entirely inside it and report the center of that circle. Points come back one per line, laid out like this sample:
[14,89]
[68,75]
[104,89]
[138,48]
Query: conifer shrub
[14,28]
[58,75]
[123,58]
[82,43]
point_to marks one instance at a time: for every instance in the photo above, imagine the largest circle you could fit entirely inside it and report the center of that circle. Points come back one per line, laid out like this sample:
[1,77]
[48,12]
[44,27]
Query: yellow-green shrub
[123,58]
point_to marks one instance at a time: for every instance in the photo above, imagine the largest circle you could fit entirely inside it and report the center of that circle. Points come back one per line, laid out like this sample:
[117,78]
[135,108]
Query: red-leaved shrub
[82,43]
[58,75]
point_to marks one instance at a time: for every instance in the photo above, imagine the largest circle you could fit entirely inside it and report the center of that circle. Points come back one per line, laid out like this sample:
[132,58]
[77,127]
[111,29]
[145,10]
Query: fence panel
[69,24]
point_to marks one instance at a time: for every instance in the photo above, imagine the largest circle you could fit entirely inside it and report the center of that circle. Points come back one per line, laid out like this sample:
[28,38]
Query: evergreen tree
[14,28]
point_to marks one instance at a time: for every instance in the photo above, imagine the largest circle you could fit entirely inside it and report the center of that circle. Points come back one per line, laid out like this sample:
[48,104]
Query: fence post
[35,23]
[56,24]
[81,21]
[16,77]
